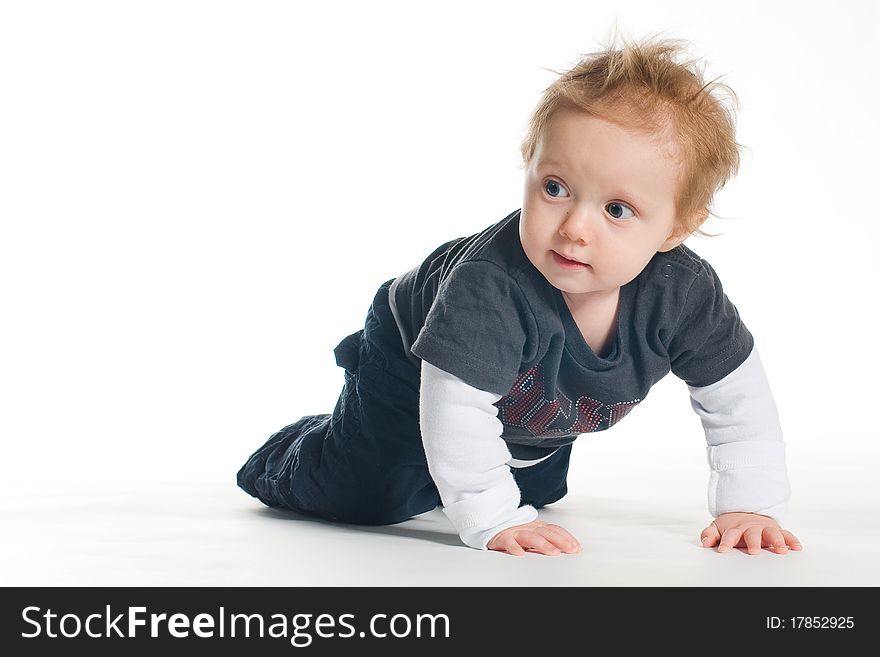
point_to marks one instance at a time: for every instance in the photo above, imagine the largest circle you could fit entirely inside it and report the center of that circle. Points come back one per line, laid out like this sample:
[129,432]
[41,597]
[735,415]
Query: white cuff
[748,477]
[476,526]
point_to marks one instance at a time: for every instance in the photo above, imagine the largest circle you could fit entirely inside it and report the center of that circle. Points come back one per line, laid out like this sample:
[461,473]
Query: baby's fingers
[792,541]
[775,540]
[730,538]
[534,542]
[519,542]
[709,537]
[753,536]
[561,538]
[508,544]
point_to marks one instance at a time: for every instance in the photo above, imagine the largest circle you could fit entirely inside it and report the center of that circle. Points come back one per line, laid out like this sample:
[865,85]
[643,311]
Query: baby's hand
[536,536]
[750,530]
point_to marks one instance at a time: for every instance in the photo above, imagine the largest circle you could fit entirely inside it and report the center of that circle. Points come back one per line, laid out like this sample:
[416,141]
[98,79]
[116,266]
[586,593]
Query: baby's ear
[680,233]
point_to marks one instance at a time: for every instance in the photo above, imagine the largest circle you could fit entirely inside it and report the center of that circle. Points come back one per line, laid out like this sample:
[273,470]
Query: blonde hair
[643,86]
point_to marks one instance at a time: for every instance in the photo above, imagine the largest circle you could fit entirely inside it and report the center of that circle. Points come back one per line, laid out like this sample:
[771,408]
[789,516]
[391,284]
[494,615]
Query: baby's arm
[467,459]
[746,455]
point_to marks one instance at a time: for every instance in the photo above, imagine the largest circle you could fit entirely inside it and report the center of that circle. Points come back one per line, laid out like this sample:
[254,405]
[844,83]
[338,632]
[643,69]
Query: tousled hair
[652,86]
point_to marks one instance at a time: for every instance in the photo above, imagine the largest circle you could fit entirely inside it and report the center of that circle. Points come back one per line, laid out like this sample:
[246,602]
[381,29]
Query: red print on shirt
[527,406]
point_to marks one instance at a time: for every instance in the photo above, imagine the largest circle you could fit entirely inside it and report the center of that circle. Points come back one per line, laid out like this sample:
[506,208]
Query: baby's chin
[569,286]
[575,288]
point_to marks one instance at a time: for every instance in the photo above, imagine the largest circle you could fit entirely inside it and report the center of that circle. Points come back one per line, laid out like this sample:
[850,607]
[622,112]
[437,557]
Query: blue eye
[616,210]
[553,188]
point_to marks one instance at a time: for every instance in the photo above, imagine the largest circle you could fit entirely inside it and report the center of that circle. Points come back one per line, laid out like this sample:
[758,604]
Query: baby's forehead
[648,155]
[658,130]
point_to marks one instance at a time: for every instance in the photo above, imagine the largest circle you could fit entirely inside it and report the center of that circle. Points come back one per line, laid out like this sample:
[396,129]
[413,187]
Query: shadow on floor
[429,533]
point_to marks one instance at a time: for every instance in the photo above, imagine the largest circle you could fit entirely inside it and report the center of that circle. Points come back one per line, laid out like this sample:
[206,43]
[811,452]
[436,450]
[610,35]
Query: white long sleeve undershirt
[467,457]
[744,444]
[470,462]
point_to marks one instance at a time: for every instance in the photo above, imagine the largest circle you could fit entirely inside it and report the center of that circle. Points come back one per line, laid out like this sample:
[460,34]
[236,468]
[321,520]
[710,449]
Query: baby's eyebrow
[548,163]
[635,198]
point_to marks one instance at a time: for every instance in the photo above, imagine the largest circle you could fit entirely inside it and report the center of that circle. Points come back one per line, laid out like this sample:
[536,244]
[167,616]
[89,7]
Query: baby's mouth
[569,262]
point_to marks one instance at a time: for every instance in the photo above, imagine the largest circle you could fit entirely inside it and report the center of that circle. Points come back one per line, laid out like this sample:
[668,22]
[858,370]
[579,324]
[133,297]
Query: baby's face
[601,195]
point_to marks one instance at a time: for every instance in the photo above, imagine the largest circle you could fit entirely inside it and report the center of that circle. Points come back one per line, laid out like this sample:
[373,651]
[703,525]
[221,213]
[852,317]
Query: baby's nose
[579,226]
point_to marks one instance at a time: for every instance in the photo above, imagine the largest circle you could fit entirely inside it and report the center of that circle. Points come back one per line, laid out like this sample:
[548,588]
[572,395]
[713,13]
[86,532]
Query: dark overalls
[365,463]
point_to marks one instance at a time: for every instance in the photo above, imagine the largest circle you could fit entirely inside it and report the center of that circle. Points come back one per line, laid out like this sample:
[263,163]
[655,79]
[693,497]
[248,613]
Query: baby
[476,371]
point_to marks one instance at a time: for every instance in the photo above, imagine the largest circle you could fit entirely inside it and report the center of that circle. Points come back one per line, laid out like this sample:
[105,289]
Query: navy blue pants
[365,463]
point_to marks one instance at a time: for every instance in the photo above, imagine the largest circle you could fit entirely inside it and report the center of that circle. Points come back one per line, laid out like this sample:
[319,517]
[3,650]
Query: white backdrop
[199,199]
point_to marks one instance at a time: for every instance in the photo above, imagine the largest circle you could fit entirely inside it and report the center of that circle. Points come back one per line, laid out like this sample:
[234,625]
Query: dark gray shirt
[477,308]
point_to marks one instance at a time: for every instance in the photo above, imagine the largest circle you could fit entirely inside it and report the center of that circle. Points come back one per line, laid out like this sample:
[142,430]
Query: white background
[199,199]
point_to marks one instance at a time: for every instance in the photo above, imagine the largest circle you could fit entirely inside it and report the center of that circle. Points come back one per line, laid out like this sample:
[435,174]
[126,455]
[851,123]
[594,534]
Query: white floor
[213,534]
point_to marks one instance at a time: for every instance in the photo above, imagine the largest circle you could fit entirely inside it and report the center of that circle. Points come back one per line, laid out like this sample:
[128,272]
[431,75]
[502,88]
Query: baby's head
[623,156]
